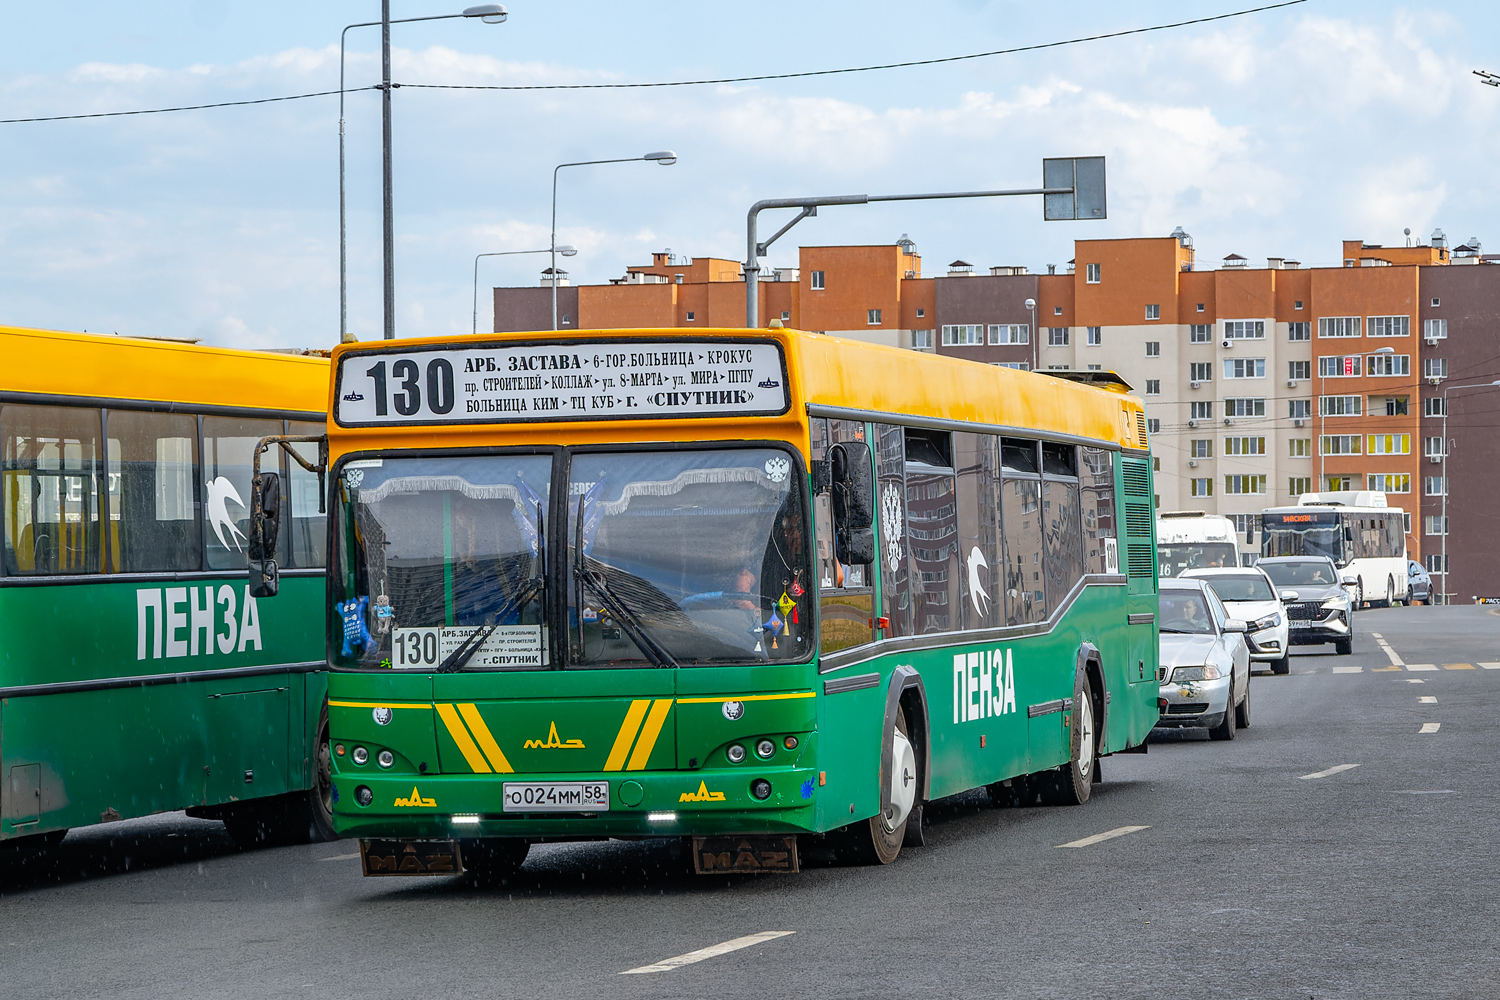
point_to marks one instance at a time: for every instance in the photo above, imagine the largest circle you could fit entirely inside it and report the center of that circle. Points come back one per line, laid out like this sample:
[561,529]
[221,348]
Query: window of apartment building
[1436,302]
[1434,486]
[1244,367]
[1297,304]
[1244,446]
[1244,329]
[817,280]
[1091,273]
[1435,329]
[1020,366]
[1201,448]
[1010,333]
[566,319]
[1057,336]
[1200,307]
[1298,485]
[1395,406]
[1095,368]
[1156,465]
[1095,336]
[1380,365]
[1339,367]
[1245,406]
[1432,447]
[1200,333]
[1338,326]
[1299,448]
[1057,310]
[1436,562]
[921,312]
[1153,348]
[786,315]
[1388,444]
[872,317]
[1245,525]
[1338,484]
[1057,368]
[1388,482]
[1435,367]
[1153,312]
[690,316]
[1434,524]
[1203,487]
[1339,444]
[1201,409]
[1299,371]
[1432,406]
[963,335]
[1406,522]
[1299,331]
[1388,326]
[1153,426]
[1153,387]
[1244,484]
[1339,406]
[921,340]
[1201,371]
[1299,409]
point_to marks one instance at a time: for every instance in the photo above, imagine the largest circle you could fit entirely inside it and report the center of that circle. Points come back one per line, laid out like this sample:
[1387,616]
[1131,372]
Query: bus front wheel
[877,841]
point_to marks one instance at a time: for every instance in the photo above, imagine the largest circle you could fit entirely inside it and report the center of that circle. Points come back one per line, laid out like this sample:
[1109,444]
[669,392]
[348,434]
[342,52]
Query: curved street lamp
[566,251]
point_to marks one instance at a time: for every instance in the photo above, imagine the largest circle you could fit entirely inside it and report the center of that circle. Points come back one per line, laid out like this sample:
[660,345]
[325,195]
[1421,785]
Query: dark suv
[1317,605]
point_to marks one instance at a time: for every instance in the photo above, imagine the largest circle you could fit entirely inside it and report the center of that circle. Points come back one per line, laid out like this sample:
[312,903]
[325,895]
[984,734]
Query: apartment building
[1260,383]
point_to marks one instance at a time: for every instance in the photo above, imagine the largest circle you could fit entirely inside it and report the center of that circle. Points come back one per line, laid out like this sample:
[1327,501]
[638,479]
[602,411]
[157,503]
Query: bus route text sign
[639,380]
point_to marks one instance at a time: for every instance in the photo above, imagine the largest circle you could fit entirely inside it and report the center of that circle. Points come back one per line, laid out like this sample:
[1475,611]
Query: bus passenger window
[51,469]
[227,444]
[847,603]
[1097,471]
[893,539]
[153,501]
[306,526]
[932,527]
[976,461]
[1021,516]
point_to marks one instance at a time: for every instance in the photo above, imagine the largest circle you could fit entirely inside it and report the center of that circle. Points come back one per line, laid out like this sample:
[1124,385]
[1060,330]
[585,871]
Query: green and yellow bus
[734,586]
[137,673]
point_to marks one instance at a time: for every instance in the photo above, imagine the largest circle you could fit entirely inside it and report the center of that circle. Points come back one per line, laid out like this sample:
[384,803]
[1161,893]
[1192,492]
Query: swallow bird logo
[220,492]
[976,585]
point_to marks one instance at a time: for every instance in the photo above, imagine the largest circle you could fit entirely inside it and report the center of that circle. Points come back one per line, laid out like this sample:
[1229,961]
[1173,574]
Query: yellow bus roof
[100,367]
[827,375]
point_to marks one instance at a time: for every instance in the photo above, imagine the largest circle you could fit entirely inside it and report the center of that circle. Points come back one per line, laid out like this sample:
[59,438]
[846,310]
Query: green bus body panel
[151,747]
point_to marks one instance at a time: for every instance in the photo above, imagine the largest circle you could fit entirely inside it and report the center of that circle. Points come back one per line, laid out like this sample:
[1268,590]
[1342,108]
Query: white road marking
[1491,665]
[341,857]
[1332,770]
[1424,791]
[1385,647]
[1427,699]
[1099,838]
[1415,680]
[1421,666]
[1429,727]
[712,951]
[1376,635]
[1348,670]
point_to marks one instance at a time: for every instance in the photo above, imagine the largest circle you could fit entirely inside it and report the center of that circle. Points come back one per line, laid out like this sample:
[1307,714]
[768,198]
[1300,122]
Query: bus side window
[306,527]
[1021,513]
[845,596]
[893,537]
[153,492]
[227,444]
[976,461]
[52,472]
[1061,534]
[1097,477]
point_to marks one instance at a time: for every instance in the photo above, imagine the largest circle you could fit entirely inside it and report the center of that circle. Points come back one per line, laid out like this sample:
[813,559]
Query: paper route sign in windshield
[562,381]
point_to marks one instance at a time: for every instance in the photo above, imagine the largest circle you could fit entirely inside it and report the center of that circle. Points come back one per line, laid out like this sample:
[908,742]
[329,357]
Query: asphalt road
[1251,876]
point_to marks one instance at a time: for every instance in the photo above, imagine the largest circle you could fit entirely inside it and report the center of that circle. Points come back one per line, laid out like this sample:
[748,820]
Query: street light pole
[663,157]
[1444,467]
[1035,345]
[565,251]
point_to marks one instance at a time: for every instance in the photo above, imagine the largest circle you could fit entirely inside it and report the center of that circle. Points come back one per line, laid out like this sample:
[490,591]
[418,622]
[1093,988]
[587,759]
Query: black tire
[1359,597]
[1242,711]
[494,860]
[1410,598]
[871,841]
[1344,647]
[1390,595]
[320,796]
[1283,665]
[1225,730]
[1072,784]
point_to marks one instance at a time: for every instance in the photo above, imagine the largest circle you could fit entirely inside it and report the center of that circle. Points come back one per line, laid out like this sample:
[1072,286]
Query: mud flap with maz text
[410,857]
[745,855]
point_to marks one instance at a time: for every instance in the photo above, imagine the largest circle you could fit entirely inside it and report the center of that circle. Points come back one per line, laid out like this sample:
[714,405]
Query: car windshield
[1249,587]
[687,557]
[1176,557]
[1185,611]
[1308,573]
[436,549]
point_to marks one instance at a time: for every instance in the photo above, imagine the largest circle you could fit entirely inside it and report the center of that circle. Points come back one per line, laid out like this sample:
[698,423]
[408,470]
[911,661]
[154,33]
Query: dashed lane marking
[1421,666]
[1385,648]
[1332,770]
[1429,727]
[1382,670]
[1348,670]
[1099,838]
[1489,665]
[1376,635]
[712,951]
[341,857]
[1415,680]
[1427,699]
[1458,666]
[1424,791]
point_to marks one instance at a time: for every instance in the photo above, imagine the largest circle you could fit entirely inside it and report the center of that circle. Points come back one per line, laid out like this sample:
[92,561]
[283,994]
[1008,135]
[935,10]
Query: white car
[1205,664]
[1249,595]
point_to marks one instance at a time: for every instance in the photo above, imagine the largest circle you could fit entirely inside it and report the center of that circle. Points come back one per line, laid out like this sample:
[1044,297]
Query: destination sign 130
[561,381]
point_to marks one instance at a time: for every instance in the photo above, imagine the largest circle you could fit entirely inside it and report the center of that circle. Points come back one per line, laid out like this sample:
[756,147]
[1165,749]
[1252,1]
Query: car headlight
[1269,621]
[1336,604]
[1208,672]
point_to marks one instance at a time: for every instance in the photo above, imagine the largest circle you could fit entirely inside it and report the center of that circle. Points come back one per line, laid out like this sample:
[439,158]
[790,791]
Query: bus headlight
[765,748]
[363,795]
[386,758]
[735,753]
[361,755]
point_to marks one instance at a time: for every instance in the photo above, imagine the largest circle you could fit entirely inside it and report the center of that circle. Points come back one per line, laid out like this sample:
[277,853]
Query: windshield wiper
[455,661]
[614,604]
[534,587]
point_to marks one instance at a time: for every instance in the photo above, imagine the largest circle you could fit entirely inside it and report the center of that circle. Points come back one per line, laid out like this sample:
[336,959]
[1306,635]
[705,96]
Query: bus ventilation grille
[1140,561]
[1136,479]
[1138,519]
[1140,427]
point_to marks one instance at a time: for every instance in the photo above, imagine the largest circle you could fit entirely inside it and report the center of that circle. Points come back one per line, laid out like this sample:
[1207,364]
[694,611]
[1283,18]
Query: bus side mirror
[853,486]
[265,525]
[1348,533]
[265,578]
[856,547]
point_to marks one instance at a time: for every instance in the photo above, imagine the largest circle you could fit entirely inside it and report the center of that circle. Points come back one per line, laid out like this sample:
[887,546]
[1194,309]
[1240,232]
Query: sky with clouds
[1274,134]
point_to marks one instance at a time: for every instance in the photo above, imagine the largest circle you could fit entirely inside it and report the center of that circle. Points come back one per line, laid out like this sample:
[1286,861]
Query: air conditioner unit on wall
[1435,459]
[1226,343]
[1434,379]
[1192,423]
[1291,383]
[1192,463]
[1432,341]
[1194,385]
[1228,421]
[1299,422]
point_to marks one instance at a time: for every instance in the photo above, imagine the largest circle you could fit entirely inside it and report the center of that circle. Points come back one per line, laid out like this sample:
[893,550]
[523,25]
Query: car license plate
[1302,624]
[556,796]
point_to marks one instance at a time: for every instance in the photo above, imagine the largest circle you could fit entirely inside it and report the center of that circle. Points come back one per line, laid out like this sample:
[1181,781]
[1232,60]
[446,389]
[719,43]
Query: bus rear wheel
[878,840]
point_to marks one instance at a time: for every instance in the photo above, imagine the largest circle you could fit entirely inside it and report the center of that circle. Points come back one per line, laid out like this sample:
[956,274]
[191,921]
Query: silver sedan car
[1205,664]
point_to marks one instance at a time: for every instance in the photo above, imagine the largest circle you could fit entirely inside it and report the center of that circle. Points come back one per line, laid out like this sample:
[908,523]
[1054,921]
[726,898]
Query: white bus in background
[1193,539]
[1364,537]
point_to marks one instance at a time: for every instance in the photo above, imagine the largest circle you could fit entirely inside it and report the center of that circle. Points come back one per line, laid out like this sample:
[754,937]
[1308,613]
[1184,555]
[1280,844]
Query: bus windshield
[687,556]
[1176,557]
[1303,540]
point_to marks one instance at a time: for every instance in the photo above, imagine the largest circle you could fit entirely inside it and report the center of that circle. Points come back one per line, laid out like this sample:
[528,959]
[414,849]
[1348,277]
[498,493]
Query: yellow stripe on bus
[652,730]
[626,736]
[745,697]
[486,741]
[461,737]
[373,704]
